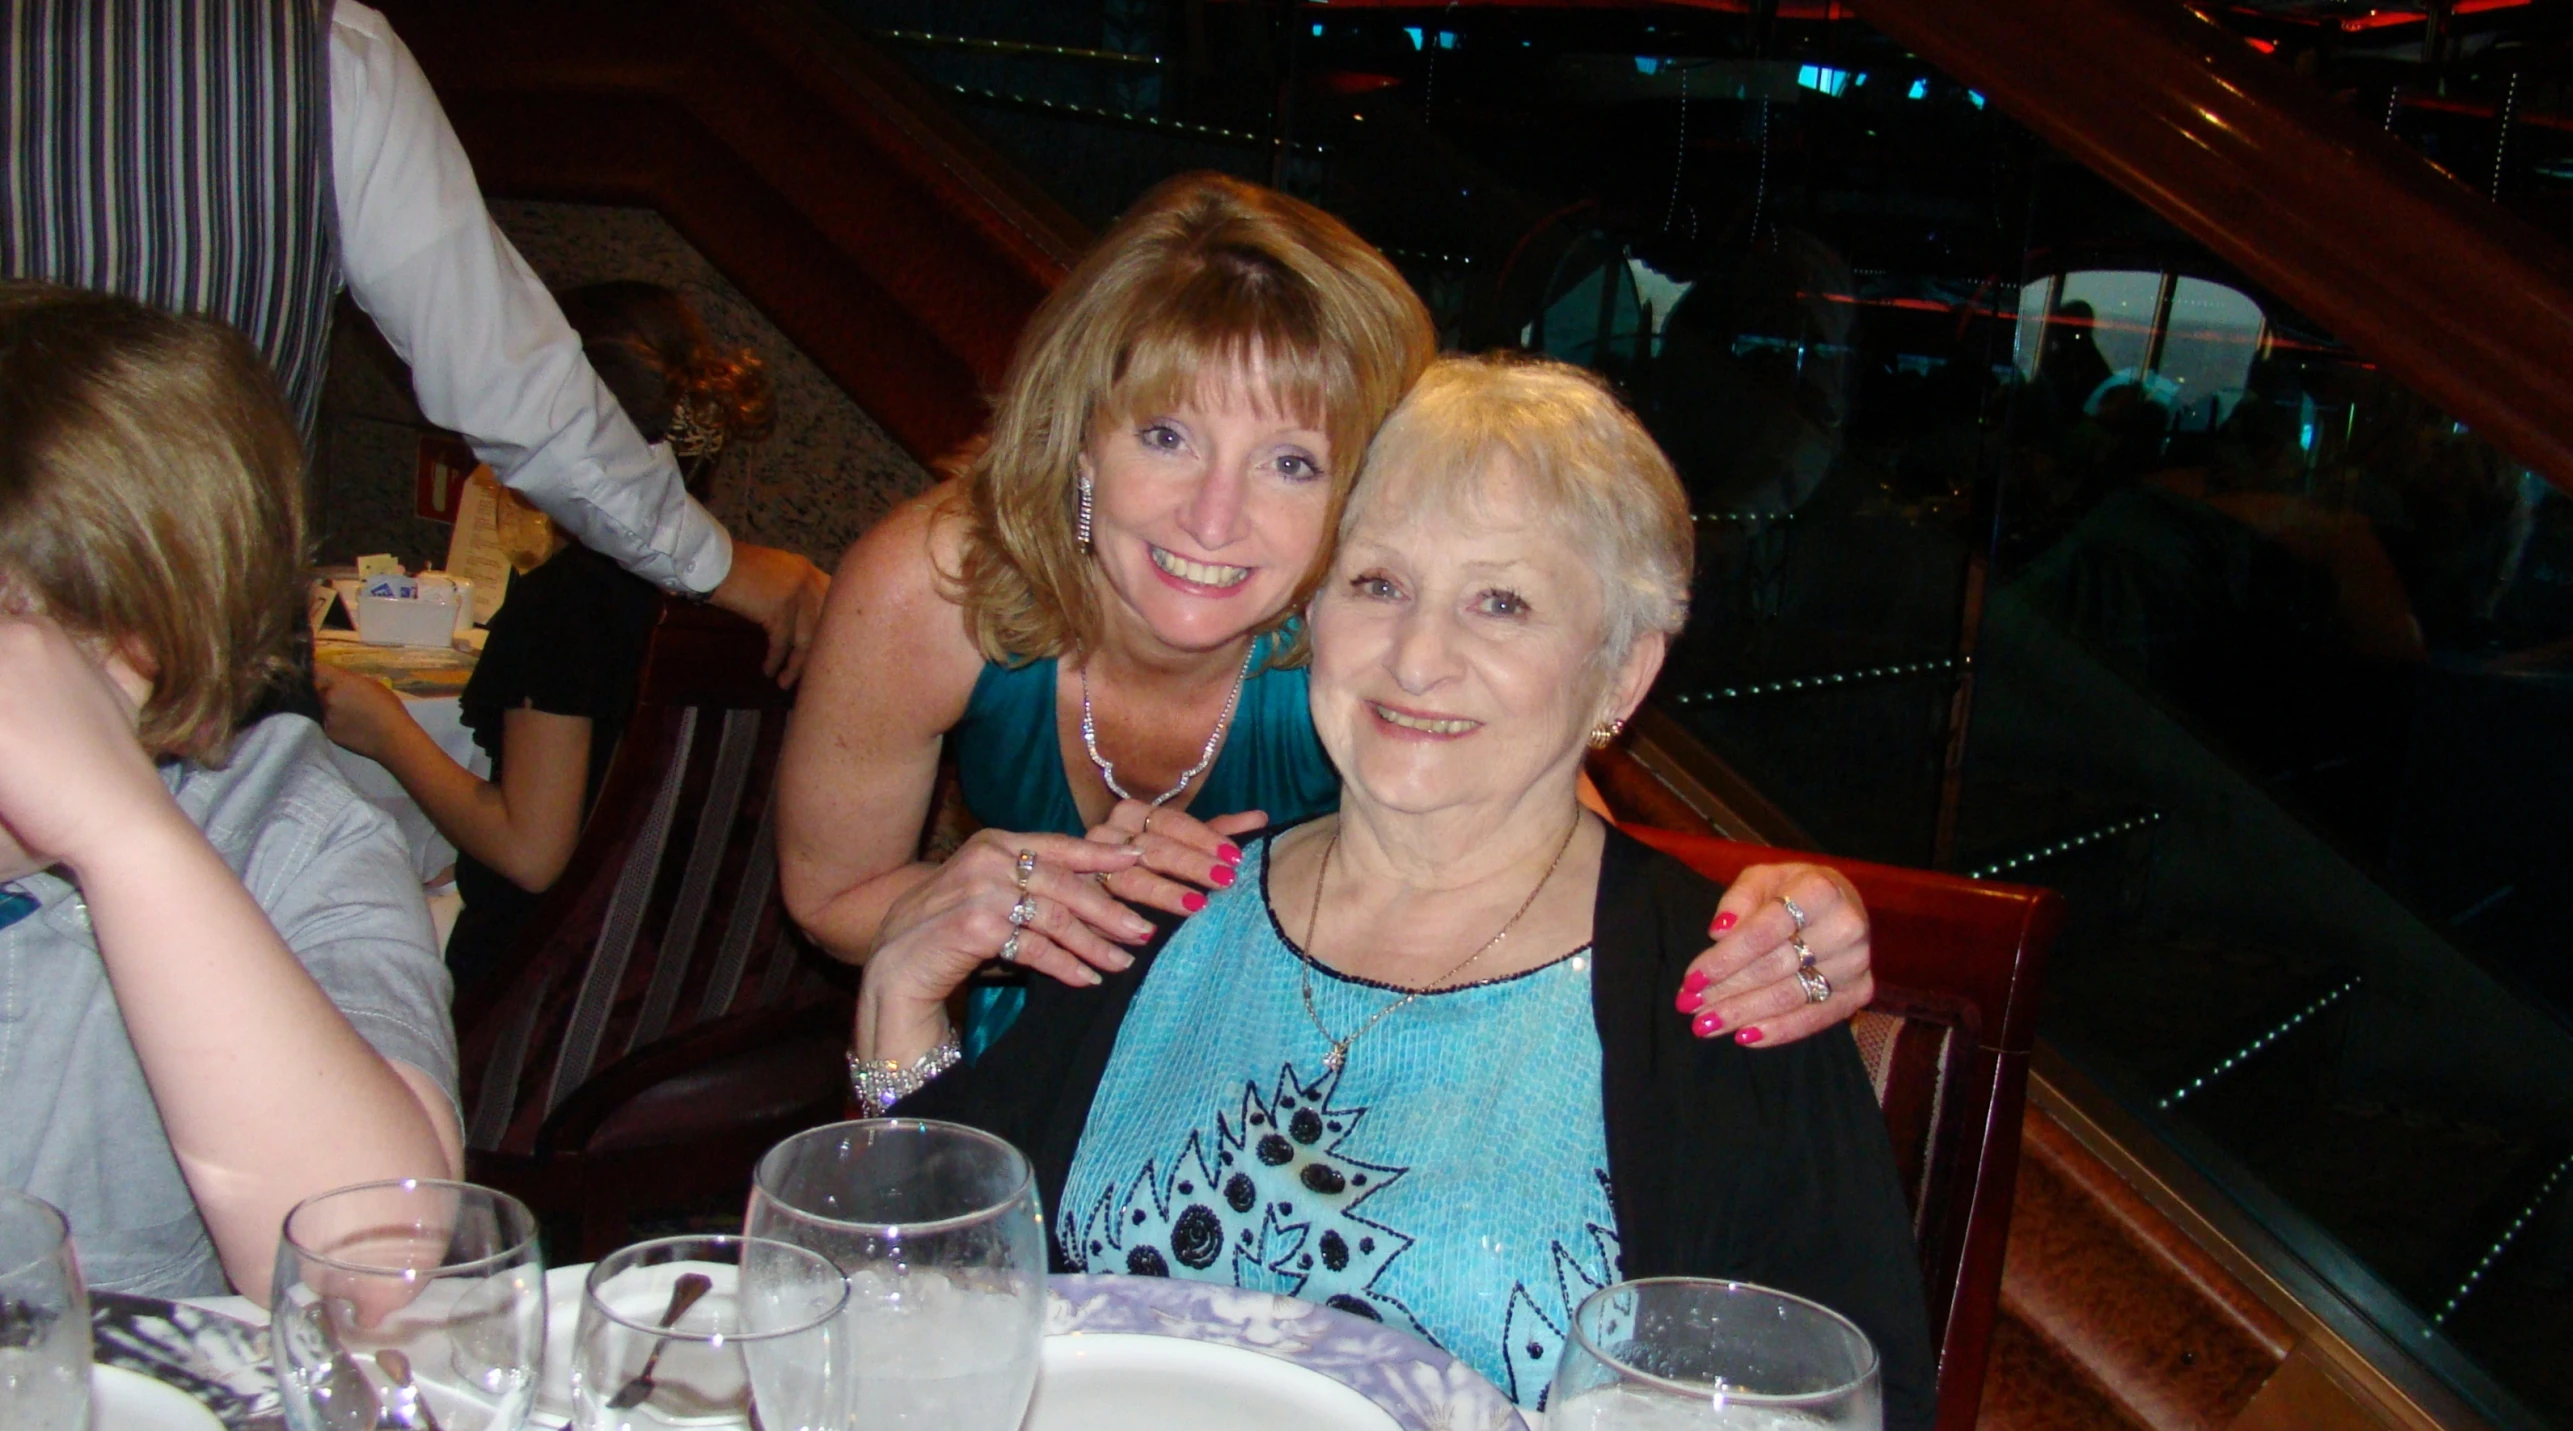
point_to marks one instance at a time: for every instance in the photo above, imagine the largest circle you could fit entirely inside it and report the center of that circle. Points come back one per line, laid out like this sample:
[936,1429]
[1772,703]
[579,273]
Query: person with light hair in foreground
[224,992]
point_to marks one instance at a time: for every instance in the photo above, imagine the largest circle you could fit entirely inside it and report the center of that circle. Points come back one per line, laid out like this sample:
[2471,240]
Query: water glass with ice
[44,1320]
[938,1229]
[1688,1354]
[713,1331]
[413,1304]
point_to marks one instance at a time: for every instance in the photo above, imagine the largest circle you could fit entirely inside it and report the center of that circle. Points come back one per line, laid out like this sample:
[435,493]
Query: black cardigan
[1761,1166]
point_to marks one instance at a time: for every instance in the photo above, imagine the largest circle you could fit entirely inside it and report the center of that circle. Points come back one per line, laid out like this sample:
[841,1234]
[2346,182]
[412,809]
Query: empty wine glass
[44,1320]
[415,1304]
[938,1229]
[1670,1353]
[696,1331]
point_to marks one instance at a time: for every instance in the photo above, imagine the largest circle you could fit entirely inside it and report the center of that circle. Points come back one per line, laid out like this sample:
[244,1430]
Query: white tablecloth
[433,703]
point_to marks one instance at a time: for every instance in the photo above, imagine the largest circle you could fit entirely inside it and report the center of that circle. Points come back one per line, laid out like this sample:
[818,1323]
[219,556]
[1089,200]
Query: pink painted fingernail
[1688,1000]
[1229,853]
[1192,901]
[1722,923]
[1221,875]
[1747,1037]
[1696,980]
[1708,1024]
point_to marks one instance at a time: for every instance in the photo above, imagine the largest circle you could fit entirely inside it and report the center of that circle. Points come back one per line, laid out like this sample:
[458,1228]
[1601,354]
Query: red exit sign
[444,466]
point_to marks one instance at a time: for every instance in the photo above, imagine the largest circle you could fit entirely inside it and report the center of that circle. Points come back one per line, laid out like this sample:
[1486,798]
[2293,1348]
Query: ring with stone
[1027,870]
[1024,912]
[1804,952]
[1795,912]
[1817,988]
[1009,949]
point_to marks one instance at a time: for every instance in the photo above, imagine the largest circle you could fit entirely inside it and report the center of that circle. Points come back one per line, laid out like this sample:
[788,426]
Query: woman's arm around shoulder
[890,674]
[1767,1166]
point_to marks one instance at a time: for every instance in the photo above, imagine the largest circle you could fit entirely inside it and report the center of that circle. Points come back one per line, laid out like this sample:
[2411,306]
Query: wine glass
[1670,1353]
[414,1304]
[693,1331]
[44,1320]
[938,1229]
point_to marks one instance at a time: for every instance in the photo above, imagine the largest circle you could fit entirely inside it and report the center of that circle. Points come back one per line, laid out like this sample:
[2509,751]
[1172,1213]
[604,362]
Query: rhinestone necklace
[1338,1057]
[1205,757]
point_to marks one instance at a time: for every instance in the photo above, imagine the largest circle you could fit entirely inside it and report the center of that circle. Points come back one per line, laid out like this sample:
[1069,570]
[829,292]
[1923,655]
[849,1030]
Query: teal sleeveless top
[1009,768]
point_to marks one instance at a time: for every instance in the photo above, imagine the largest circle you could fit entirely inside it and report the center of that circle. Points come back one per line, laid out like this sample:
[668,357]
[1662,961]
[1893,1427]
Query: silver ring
[1009,949]
[1027,870]
[1817,988]
[1023,913]
[1795,912]
[1804,954]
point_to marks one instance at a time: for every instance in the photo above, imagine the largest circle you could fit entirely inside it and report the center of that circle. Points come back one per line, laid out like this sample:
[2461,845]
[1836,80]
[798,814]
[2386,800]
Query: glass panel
[2271,663]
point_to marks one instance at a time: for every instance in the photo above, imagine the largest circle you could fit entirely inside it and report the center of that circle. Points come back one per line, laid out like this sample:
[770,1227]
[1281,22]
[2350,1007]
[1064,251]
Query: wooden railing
[2467,305]
[878,233]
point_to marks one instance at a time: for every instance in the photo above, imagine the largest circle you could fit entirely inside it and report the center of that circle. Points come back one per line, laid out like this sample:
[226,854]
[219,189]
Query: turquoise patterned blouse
[1451,1180]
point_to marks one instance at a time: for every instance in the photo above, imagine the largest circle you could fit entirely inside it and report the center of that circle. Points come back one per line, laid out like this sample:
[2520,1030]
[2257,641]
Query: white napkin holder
[425,610]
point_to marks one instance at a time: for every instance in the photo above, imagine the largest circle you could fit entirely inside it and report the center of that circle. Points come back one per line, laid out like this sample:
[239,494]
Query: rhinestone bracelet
[879,1084]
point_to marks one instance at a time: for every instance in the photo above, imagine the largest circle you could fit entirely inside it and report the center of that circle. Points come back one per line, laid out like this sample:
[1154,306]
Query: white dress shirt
[490,353]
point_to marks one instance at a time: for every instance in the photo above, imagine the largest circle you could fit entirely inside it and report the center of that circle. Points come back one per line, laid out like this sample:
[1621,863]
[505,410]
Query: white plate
[121,1400]
[1110,1381]
[1158,1332]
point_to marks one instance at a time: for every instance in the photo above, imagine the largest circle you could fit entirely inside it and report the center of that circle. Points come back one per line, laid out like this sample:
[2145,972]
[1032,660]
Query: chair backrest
[1946,1042]
[667,916]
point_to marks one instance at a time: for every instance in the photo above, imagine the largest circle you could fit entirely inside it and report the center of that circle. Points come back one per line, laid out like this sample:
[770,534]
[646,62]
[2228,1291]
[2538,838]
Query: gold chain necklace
[1338,1057]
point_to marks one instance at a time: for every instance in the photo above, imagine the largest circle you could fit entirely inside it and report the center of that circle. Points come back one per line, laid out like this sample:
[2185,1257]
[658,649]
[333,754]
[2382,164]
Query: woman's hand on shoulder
[1179,853]
[941,930]
[1745,983]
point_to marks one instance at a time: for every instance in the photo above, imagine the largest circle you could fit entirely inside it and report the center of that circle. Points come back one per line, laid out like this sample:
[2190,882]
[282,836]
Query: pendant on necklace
[1338,1056]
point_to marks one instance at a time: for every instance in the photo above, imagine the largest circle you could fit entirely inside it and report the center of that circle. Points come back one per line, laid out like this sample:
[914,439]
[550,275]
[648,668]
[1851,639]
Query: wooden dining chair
[1946,1042]
[656,1027]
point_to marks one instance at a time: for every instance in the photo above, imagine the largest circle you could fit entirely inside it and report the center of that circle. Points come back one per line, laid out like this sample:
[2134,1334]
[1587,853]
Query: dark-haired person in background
[557,678]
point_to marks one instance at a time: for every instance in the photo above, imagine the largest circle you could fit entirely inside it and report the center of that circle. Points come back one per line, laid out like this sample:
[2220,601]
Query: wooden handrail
[2469,306]
[879,232]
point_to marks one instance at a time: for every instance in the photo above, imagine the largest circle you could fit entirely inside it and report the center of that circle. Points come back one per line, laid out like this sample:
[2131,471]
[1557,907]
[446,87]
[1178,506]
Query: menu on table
[475,552]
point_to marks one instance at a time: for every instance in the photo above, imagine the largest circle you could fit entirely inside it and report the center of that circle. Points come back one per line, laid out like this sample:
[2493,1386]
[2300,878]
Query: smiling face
[1457,658]
[1208,513]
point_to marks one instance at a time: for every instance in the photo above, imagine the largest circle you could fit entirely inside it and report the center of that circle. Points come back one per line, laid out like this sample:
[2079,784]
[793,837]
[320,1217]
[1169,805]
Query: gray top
[79,1128]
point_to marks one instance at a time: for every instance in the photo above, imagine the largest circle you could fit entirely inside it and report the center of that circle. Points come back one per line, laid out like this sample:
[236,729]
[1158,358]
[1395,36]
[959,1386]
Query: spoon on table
[683,1295]
[398,1367]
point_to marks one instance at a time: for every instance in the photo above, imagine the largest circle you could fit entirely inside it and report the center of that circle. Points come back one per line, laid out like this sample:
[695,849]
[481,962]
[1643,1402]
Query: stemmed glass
[1670,1353]
[414,1304]
[692,1331]
[44,1320]
[938,1229]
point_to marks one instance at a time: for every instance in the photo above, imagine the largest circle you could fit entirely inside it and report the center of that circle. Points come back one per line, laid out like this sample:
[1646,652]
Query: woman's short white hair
[1576,453]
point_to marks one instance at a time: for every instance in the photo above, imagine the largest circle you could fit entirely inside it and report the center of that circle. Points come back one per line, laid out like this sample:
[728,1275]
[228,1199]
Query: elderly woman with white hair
[1421,1062]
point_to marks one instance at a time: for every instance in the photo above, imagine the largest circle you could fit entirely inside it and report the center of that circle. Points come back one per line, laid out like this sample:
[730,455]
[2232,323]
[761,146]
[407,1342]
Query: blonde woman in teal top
[1099,613]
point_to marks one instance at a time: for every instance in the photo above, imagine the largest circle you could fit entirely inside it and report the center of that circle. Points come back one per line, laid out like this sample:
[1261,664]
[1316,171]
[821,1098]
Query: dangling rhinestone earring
[1081,526]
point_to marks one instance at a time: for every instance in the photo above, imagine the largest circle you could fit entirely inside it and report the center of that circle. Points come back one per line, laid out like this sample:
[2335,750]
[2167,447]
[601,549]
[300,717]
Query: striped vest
[178,152]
